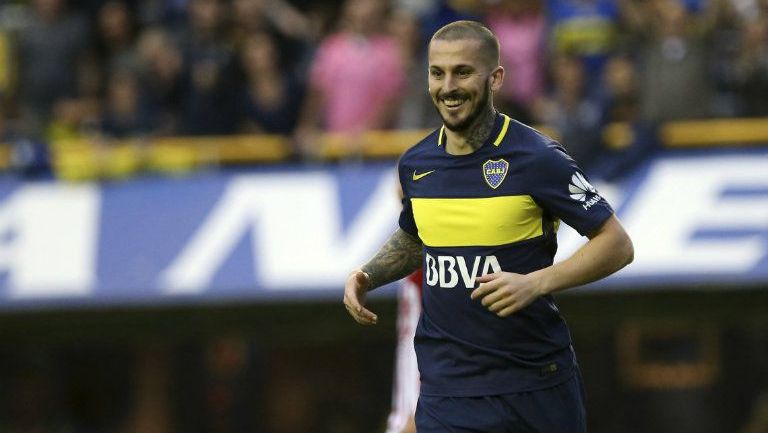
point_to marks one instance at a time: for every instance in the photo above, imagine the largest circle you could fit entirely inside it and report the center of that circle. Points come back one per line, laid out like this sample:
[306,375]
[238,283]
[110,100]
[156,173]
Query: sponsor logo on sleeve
[583,191]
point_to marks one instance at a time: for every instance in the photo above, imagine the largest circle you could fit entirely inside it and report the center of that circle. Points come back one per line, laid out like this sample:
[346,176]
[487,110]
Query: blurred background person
[673,41]
[618,93]
[571,110]
[521,29]
[76,116]
[415,110]
[619,107]
[125,114]
[586,29]
[162,79]
[115,36]
[294,32]
[272,94]
[209,93]
[355,78]
[49,49]
[751,65]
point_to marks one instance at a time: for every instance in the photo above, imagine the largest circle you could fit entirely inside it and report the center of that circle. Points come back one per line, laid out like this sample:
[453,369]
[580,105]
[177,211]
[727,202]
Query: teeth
[453,102]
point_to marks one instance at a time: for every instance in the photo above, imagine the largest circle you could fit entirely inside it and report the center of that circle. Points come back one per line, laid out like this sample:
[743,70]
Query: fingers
[484,288]
[499,305]
[502,294]
[354,299]
[362,315]
[487,277]
[494,297]
[508,311]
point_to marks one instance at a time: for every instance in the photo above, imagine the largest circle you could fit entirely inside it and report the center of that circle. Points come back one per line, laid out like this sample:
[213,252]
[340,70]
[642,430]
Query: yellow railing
[92,159]
[715,132]
[86,159]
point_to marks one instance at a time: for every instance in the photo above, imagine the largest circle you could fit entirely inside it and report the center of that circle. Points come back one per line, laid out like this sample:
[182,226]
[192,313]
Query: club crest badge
[494,172]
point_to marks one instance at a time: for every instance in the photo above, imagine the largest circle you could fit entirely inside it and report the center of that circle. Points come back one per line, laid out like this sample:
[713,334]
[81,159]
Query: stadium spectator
[588,29]
[415,110]
[521,28]
[75,116]
[27,158]
[67,118]
[272,96]
[674,57]
[124,113]
[619,99]
[294,32]
[573,113]
[205,26]
[161,79]
[619,103]
[355,79]
[115,36]
[48,51]
[752,65]
[437,13]
[209,96]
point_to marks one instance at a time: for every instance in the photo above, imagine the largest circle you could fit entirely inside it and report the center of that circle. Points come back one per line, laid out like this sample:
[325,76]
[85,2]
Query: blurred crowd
[114,69]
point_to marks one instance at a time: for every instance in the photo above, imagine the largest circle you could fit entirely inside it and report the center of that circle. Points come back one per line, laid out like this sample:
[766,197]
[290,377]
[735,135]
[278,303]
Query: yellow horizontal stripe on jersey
[488,221]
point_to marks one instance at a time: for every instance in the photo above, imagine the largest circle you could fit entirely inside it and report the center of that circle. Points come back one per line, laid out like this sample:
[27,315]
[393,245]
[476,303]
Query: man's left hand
[504,293]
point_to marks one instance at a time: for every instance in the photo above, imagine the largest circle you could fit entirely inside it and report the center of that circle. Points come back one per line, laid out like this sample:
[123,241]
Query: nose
[449,83]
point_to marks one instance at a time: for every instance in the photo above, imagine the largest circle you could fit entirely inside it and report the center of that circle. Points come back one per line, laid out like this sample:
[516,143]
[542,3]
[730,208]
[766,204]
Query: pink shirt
[522,44]
[357,77]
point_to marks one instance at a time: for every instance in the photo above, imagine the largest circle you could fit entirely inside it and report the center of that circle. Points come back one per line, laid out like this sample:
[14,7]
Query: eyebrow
[460,66]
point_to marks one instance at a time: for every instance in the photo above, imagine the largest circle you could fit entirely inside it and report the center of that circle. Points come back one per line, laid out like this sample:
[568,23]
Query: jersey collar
[500,129]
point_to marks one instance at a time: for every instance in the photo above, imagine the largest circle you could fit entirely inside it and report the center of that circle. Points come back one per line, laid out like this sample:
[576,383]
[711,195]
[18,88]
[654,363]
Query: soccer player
[482,200]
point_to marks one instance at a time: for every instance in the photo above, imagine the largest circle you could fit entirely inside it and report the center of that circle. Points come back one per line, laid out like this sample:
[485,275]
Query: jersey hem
[497,390]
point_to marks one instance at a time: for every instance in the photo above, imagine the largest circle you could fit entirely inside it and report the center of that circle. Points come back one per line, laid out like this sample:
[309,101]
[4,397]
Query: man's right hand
[355,292]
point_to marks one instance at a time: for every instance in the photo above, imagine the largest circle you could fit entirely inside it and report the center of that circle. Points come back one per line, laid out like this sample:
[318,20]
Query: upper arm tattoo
[399,256]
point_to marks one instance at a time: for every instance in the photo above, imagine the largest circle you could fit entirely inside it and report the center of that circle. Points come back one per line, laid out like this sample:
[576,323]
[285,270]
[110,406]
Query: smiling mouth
[453,103]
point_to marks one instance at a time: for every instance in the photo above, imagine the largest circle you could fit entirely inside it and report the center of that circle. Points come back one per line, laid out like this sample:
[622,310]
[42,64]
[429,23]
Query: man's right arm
[399,256]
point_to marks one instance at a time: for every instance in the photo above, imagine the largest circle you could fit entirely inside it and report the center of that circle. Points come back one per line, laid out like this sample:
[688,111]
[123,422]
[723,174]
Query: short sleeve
[562,189]
[406,221]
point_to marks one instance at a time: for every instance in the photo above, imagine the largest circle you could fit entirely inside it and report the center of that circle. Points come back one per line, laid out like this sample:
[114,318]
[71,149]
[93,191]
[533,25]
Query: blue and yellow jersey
[496,209]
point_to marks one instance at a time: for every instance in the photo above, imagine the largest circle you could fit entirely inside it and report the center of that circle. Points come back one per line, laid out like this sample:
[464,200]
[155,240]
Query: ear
[497,78]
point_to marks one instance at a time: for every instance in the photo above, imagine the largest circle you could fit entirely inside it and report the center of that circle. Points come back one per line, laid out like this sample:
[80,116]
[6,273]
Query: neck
[471,139]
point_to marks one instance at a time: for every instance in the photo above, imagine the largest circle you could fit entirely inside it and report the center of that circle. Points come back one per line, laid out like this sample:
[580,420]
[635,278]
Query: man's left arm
[609,249]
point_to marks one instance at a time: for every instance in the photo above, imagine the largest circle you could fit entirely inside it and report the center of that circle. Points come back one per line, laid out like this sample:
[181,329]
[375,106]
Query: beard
[467,122]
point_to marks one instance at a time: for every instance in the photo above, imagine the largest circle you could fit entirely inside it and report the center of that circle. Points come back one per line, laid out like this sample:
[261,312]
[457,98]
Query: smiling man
[482,200]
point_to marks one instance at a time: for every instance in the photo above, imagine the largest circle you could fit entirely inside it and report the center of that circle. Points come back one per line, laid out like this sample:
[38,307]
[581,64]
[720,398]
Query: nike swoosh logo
[419,176]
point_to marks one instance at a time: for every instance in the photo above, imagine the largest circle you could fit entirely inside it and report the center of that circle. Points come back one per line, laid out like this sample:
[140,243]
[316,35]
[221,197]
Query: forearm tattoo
[399,256]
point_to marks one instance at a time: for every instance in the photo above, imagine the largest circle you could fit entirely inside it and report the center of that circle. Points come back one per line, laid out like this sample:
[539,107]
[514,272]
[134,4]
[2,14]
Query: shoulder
[423,148]
[532,142]
[533,153]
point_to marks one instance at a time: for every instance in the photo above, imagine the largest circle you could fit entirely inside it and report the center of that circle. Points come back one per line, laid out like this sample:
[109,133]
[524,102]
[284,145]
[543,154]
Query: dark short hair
[466,29]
